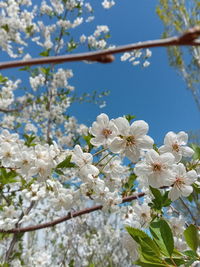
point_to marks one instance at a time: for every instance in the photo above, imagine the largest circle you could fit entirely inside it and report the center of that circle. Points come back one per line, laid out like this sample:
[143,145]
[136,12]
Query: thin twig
[105,56]
[69,216]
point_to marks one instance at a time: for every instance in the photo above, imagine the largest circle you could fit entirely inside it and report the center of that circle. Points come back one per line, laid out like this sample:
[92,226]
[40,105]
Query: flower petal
[139,128]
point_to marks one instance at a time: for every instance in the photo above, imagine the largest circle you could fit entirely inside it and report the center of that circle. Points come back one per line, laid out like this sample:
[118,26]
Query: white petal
[96,129]
[164,149]
[152,156]
[139,128]
[174,193]
[155,180]
[181,171]
[170,138]
[186,190]
[191,177]
[103,119]
[117,145]
[177,156]
[182,138]
[97,141]
[167,158]
[122,126]
[145,142]
[142,169]
[133,155]
[187,151]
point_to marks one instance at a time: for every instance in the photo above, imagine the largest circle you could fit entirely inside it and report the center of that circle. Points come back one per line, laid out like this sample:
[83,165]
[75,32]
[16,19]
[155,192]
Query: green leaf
[148,264]
[71,264]
[189,263]
[160,200]
[129,117]
[157,201]
[45,53]
[196,149]
[29,30]
[163,236]
[3,79]
[45,70]
[148,246]
[190,253]
[191,237]
[26,68]
[66,163]
[173,260]
[7,177]
[29,140]
[155,231]
[87,139]
[5,27]
[71,45]
[167,236]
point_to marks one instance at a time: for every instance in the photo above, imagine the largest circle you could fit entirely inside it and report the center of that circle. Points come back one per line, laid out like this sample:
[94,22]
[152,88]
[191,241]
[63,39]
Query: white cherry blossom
[131,139]
[157,168]
[181,182]
[176,144]
[103,130]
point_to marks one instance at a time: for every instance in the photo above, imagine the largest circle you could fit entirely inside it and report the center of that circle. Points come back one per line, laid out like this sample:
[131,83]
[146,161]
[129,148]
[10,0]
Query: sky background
[156,94]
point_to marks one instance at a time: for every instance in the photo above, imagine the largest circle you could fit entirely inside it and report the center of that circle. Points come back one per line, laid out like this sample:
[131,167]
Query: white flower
[80,158]
[113,166]
[8,154]
[108,4]
[142,213]
[181,182]
[176,144]
[146,64]
[103,130]
[87,171]
[157,168]
[177,225]
[131,138]
[125,56]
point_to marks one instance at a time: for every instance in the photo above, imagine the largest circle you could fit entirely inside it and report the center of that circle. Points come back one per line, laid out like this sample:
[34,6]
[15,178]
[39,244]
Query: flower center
[179,181]
[106,132]
[144,215]
[157,167]
[8,155]
[130,140]
[175,147]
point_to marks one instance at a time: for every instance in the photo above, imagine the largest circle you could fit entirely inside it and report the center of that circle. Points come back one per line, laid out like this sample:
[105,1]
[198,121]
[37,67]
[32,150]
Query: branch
[10,110]
[69,216]
[106,56]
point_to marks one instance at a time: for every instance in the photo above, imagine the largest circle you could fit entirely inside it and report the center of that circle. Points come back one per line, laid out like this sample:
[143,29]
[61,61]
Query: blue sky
[156,94]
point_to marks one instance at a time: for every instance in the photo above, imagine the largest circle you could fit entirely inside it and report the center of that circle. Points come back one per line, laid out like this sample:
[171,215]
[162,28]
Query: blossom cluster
[50,165]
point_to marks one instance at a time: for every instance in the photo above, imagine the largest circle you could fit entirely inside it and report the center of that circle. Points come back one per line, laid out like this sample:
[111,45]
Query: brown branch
[69,216]
[10,110]
[105,56]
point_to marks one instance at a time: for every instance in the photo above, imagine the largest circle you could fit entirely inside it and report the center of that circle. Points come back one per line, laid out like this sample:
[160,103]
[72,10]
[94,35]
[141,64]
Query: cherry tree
[78,195]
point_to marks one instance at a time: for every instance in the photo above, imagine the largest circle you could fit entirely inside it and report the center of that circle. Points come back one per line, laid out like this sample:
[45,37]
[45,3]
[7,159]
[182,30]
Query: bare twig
[106,56]
[69,216]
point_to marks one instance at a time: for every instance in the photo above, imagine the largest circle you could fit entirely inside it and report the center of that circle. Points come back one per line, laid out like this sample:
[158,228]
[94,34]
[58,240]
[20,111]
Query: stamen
[130,140]
[175,147]
[157,167]
[106,132]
